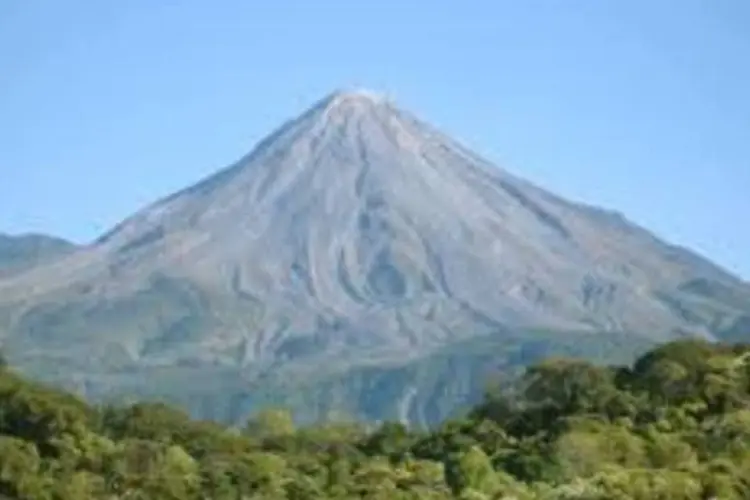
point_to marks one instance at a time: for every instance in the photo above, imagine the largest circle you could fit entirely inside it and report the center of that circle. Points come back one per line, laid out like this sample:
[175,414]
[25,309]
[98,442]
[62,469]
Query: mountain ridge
[20,252]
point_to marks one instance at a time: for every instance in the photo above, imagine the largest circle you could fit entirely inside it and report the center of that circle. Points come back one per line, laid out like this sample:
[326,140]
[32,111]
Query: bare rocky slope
[355,237]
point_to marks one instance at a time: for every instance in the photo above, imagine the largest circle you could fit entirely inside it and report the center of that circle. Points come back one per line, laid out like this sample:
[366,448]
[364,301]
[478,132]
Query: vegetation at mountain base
[421,392]
[674,425]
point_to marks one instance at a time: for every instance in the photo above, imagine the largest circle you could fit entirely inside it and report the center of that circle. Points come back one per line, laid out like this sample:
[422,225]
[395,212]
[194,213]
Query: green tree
[471,470]
[270,423]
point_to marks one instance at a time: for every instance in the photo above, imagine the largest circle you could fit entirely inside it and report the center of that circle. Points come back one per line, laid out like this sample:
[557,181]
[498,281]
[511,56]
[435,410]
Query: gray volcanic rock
[354,235]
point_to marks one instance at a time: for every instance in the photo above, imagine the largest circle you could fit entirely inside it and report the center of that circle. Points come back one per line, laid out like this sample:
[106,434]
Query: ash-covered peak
[354,99]
[358,95]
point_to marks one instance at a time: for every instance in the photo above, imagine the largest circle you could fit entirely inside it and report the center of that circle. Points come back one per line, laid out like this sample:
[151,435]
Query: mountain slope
[355,235]
[22,252]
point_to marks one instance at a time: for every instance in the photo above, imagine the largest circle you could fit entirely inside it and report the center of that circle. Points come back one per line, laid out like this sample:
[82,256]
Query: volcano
[356,242]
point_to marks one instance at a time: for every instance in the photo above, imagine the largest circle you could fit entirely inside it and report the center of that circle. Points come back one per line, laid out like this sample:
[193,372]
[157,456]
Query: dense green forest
[674,425]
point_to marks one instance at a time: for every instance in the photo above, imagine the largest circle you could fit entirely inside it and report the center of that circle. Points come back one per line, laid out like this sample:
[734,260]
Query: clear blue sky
[640,106]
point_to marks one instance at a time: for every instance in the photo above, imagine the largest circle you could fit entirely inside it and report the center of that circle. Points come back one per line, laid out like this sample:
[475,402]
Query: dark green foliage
[676,425]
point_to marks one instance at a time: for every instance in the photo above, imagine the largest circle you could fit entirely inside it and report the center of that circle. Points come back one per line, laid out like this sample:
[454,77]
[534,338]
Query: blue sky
[640,106]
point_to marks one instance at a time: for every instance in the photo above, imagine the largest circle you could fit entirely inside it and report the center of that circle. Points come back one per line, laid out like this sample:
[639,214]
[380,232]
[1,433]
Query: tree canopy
[674,425]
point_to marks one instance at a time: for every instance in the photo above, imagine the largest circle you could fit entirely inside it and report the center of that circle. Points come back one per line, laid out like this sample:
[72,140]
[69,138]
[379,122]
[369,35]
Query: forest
[673,425]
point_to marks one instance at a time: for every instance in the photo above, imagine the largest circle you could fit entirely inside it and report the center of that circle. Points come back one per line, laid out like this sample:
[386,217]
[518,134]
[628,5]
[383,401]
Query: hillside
[19,253]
